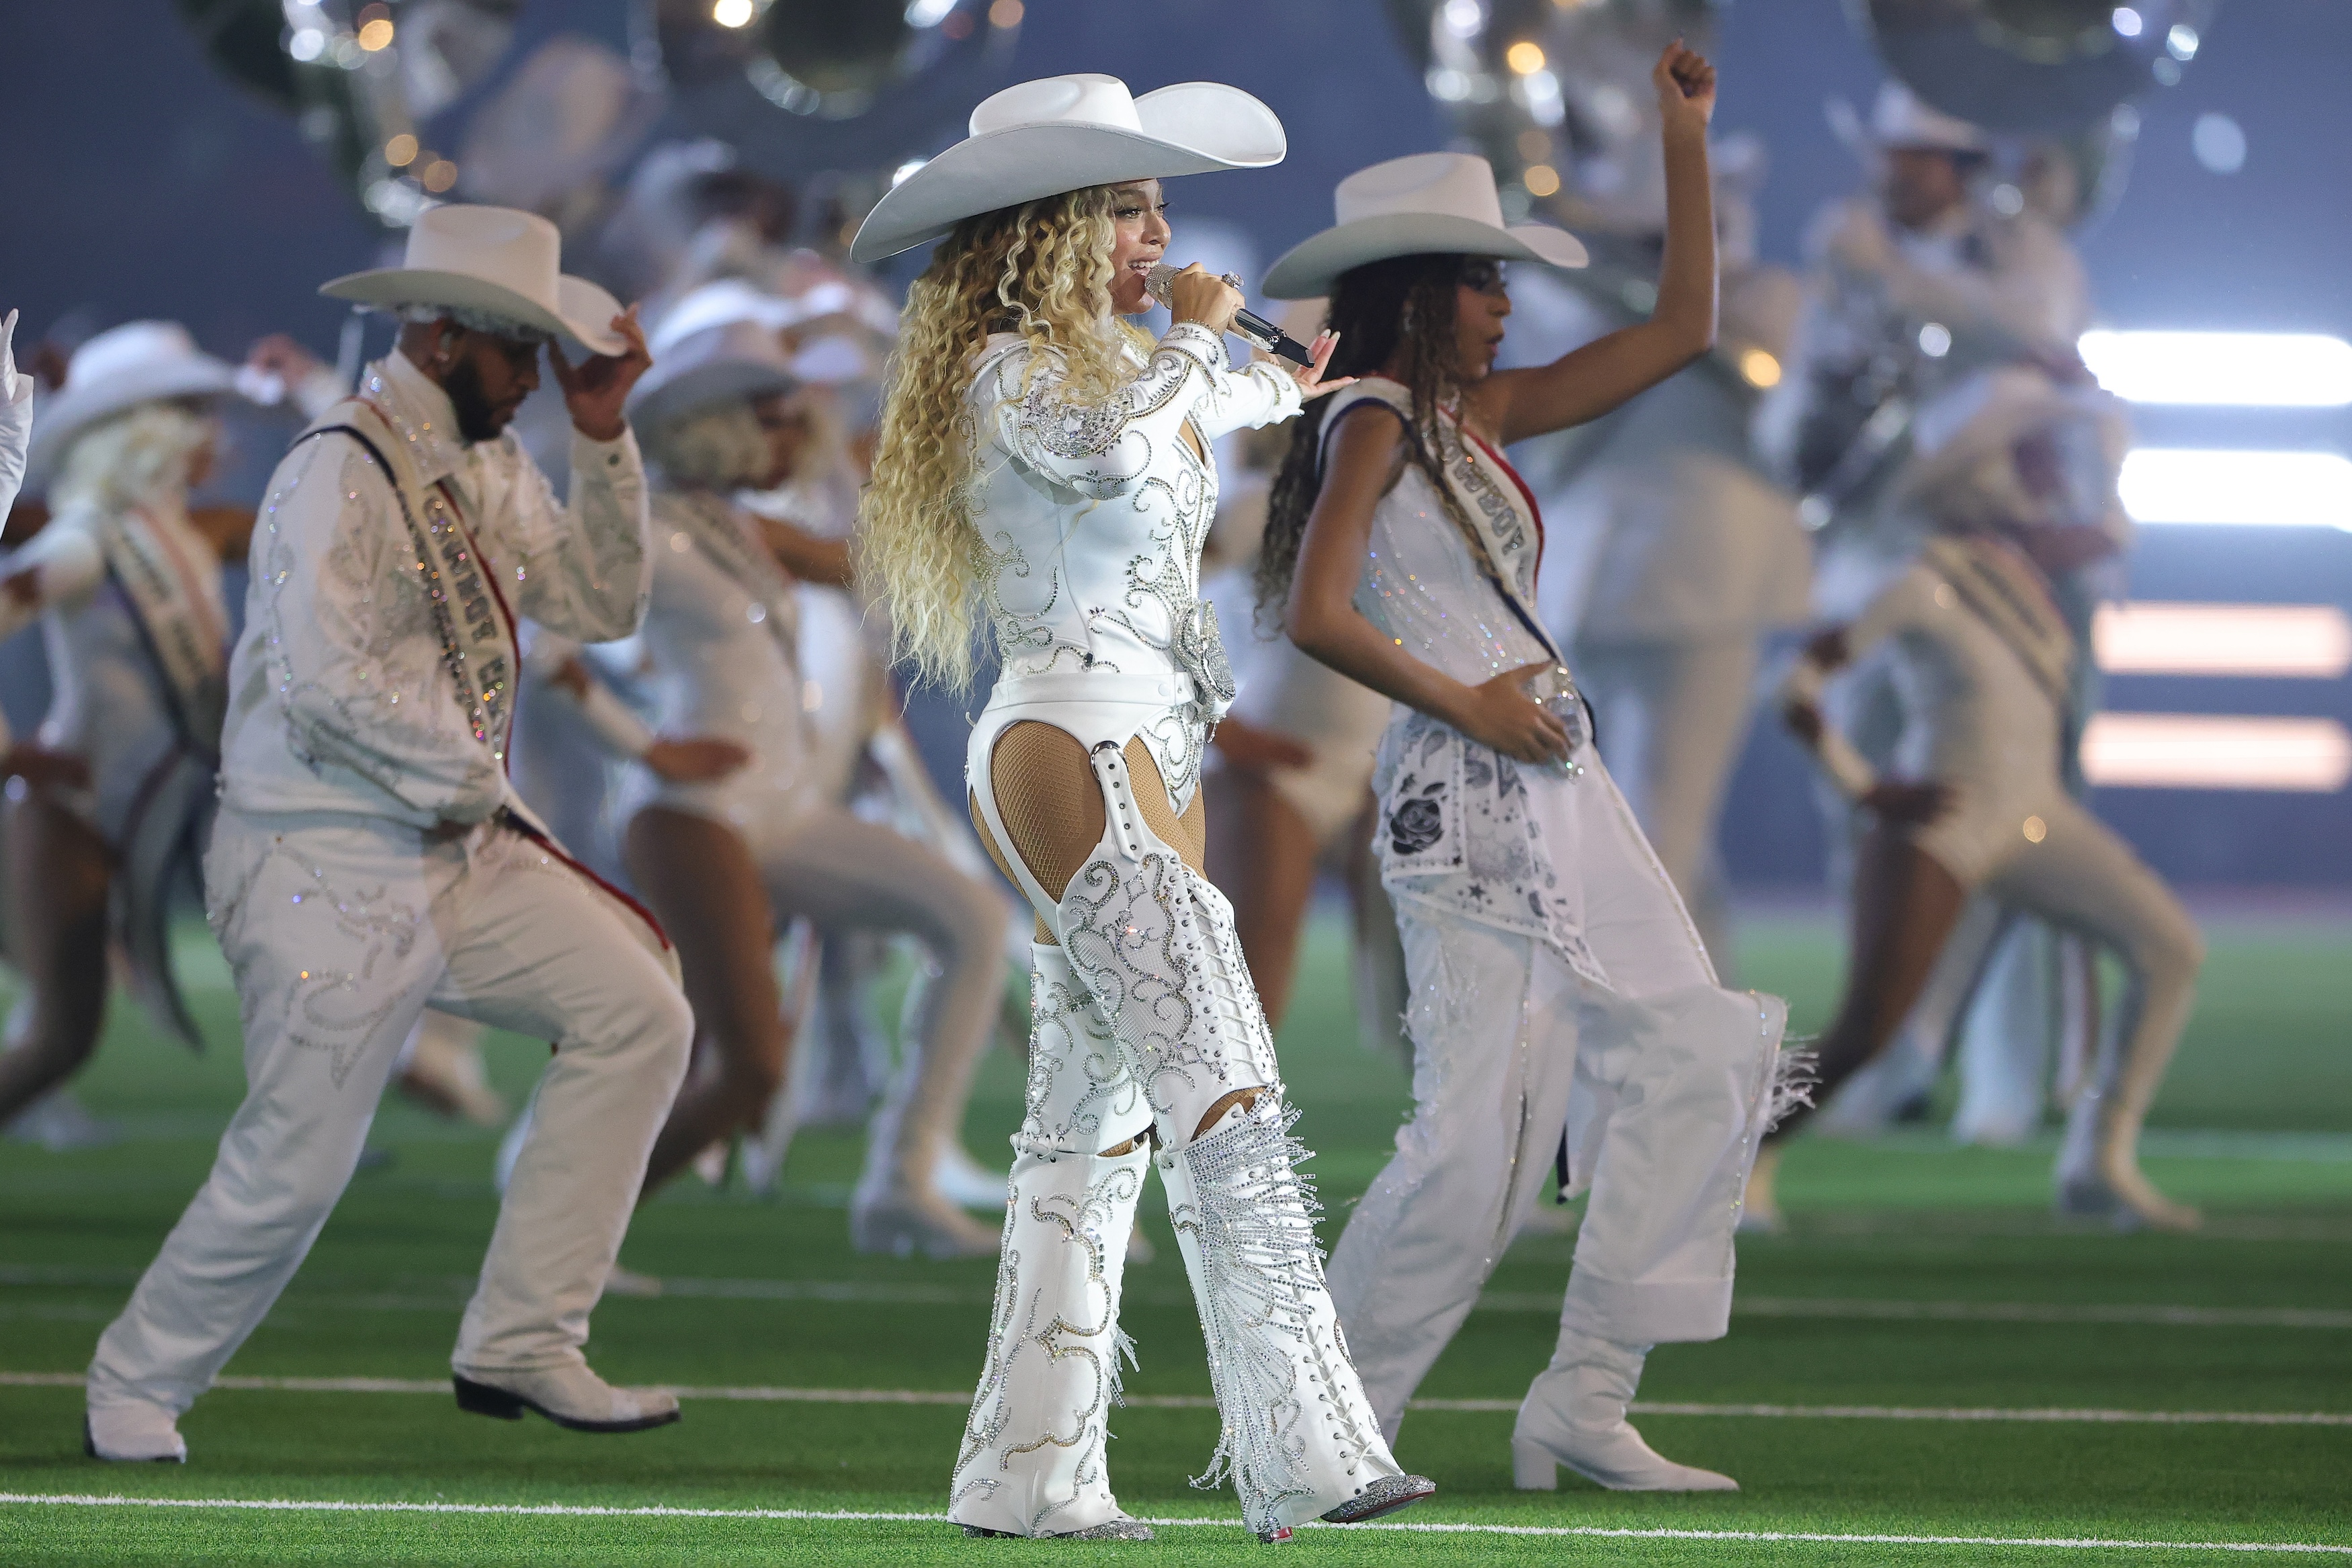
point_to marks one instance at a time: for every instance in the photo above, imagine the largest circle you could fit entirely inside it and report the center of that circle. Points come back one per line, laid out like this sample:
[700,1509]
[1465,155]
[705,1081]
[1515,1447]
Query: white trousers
[1663,1085]
[1670,717]
[339,930]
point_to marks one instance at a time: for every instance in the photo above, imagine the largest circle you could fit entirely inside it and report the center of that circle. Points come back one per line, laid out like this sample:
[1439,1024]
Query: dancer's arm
[16,415]
[1833,648]
[810,557]
[564,673]
[1587,383]
[1366,457]
[581,569]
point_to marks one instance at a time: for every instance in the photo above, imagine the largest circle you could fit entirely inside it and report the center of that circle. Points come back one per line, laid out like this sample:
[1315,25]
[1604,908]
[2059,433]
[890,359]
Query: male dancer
[372,857]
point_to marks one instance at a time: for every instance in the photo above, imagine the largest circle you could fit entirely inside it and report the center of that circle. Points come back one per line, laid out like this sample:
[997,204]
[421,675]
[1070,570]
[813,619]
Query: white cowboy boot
[132,1433]
[1574,1414]
[1031,1459]
[570,1395]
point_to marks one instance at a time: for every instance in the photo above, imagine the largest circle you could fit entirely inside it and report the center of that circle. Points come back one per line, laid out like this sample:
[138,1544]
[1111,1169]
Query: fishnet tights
[1053,808]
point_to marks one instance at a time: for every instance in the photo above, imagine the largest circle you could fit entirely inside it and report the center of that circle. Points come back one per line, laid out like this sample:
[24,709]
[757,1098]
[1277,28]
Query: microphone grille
[1156,281]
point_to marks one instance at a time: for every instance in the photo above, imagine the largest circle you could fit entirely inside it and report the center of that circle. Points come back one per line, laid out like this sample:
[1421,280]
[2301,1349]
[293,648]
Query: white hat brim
[56,420]
[1028,162]
[1311,268]
[390,287]
[706,385]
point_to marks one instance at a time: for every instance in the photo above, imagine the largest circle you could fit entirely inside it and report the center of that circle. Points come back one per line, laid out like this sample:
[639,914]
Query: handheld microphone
[1256,328]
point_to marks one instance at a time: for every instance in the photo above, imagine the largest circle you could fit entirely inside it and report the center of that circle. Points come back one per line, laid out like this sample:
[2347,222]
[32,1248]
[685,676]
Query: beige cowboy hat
[1430,203]
[1063,134]
[1900,121]
[830,359]
[725,362]
[498,262]
[120,368]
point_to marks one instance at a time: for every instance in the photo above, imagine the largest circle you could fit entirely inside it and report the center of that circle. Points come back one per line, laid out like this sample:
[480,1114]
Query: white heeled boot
[1574,1414]
[132,1433]
[899,1207]
[1032,1459]
[1299,1440]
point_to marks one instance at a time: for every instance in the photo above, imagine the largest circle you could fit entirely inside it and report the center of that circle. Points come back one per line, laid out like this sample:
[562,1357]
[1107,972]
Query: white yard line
[909,1293]
[758,1393]
[810,1515]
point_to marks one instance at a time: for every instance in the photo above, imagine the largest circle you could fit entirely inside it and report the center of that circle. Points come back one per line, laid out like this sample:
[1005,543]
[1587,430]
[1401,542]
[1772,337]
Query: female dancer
[1039,461]
[1556,979]
[137,634]
[1983,665]
[725,855]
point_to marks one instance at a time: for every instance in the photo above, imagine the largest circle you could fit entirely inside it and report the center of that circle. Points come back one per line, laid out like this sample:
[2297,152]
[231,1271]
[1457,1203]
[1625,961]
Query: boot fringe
[1252,1219]
[1795,1074]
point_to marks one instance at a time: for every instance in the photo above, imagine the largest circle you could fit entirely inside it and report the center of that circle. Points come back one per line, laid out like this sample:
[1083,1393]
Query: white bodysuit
[1090,517]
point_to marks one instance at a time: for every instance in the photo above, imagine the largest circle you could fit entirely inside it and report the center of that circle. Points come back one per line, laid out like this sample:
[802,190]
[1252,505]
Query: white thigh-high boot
[1032,1461]
[1155,944]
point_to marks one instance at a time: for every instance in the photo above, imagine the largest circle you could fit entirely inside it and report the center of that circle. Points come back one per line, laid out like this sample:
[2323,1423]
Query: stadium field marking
[854,1516]
[884,1292]
[756,1393]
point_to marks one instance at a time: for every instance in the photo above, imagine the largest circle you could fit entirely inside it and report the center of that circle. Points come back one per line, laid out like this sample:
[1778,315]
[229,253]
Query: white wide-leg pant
[1663,1084]
[339,930]
[1670,716]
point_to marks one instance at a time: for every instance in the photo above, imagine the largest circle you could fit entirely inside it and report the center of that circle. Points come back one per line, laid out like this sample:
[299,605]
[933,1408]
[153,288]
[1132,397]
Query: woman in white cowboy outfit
[128,582]
[2014,474]
[1557,982]
[1040,464]
[725,855]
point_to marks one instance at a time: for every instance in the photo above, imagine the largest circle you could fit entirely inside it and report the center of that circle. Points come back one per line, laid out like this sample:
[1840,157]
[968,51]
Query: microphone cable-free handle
[1254,328]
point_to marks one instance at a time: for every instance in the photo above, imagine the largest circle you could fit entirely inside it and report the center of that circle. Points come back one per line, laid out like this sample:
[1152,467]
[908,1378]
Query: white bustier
[1091,515]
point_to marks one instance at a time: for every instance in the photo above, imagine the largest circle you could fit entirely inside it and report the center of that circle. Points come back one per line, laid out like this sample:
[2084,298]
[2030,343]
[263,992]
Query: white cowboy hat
[1430,203]
[1986,416]
[831,360]
[493,261]
[120,368]
[1064,133]
[1901,121]
[735,359]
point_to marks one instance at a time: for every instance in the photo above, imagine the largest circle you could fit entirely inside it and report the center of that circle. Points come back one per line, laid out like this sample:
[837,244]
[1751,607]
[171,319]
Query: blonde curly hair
[135,457]
[1042,270]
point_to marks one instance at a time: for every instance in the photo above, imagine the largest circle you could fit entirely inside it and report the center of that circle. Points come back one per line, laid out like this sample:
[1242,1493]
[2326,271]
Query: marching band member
[1557,982]
[370,857]
[1043,468]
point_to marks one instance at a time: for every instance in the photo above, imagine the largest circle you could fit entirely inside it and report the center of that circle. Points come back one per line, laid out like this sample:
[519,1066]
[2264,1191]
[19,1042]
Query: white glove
[16,416]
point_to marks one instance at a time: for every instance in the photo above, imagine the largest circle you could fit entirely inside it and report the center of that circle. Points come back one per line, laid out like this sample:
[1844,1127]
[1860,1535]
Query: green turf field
[1925,1369]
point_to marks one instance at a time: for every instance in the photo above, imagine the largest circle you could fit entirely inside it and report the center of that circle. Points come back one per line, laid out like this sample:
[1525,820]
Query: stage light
[731,13]
[1759,368]
[2198,751]
[1935,340]
[2245,369]
[2219,143]
[1525,57]
[307,44]
[1004,14]
[401,151]
[1540,179]
[2297,489]
[2126,21]
[2148,637]
[928,13]
[377,35]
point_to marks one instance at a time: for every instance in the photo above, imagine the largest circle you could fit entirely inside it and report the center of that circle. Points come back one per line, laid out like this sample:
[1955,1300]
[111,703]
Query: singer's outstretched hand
[1310,376]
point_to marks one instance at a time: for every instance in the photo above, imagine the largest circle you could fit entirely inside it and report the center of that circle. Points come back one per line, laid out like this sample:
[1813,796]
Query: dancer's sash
[174,603]
[480,640]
